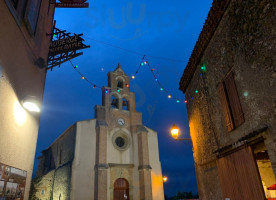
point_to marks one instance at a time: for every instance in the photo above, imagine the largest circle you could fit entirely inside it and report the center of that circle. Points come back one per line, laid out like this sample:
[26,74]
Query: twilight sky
[166,28]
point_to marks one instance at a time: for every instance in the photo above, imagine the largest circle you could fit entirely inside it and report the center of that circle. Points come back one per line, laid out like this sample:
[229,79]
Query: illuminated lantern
[174,131]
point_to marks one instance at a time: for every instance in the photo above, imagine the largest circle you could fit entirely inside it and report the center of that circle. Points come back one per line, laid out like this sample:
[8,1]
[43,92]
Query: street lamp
[175,133]
[31,104]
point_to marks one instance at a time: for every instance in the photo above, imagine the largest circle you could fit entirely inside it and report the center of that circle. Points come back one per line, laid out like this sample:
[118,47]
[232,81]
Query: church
[111,157]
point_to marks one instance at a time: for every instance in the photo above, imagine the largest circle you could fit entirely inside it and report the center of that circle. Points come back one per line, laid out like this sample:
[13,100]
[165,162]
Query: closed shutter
[234,99]
[225,106]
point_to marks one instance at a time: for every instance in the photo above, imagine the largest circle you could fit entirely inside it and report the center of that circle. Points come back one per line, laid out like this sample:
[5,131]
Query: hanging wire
[144,62]
[133,52]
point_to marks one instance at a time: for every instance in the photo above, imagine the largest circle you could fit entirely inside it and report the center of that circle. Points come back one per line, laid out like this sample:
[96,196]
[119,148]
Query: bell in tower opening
[111,157]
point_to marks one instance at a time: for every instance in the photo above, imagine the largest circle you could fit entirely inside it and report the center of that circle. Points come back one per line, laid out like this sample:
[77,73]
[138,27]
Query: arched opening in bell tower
[120,83]
[121,189]
[125,105]
[114,102]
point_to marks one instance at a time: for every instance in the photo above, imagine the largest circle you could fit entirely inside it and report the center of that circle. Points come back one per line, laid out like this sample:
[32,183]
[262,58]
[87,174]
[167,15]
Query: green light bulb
[118,90]
[161,89]
[196,91]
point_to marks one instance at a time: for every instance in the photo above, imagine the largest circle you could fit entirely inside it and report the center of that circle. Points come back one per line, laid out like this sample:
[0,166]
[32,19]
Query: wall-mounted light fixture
[175,133]
[31,104]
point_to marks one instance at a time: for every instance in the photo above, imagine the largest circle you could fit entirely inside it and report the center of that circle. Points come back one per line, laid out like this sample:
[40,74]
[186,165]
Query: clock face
[121,121]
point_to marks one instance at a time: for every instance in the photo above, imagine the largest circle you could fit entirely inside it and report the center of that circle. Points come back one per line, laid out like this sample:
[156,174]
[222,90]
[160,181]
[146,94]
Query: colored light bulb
[145,62]
[118,90]
[83,77]
[177,101]
[76,66]
[156,79]
[203,68]
[185,101]
[196,91]
[106,91]
[142,64]
[169,96]
[152,69]
[127,85]
[161,89]
[133,77]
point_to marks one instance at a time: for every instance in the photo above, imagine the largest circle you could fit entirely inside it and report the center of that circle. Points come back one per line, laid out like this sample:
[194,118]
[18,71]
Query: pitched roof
[214,16]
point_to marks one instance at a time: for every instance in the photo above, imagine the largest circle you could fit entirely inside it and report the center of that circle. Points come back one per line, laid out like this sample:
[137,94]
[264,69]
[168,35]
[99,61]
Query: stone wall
[243,42]
[62,182]
[59,153]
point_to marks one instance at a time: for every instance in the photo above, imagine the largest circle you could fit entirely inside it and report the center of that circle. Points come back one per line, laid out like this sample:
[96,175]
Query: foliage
[184,195]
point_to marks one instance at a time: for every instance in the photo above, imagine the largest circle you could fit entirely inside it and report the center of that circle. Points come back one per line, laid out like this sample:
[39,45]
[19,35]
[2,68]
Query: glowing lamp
[83,77]
[161,89]
[165,179]
[133,77]
[169,96]
[186,101]
[31,104]
[127,85]
[118,90]
[177,101]
[174,131]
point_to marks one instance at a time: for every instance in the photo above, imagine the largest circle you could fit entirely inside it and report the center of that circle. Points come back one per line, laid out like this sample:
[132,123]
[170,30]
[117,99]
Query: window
[14,3]
[42,192]
[230,101]
[16,8]
[33,14]
[60,154]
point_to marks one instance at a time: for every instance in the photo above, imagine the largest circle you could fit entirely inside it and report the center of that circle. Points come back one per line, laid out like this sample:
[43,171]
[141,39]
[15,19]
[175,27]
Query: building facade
[229,84]
[110,157]
[23,57]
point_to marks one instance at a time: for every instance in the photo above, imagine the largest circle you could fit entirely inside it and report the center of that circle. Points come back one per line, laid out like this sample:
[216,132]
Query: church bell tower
[123,169]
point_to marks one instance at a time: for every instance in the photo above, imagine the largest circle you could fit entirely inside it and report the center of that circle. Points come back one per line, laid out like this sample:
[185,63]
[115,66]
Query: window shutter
[234,99]
[225,106]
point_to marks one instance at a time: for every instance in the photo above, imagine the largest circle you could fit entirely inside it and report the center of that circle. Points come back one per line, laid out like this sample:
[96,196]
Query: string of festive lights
[82,76]
[144,62]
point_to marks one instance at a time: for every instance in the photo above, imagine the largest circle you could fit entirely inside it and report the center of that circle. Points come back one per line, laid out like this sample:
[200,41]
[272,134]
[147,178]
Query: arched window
[114,102]
[121,189]
[120,83]
[125,104]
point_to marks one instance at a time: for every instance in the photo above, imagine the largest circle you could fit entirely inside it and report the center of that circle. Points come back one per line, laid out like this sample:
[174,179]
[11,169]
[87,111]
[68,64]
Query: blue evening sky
[166,28]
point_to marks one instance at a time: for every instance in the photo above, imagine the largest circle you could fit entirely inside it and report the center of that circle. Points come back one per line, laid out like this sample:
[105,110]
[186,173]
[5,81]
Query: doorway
[265,170]
[247,174]
[121,189]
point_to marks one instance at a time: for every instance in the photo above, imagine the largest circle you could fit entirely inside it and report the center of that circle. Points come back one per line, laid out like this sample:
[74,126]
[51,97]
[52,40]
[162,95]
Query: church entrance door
[121,189]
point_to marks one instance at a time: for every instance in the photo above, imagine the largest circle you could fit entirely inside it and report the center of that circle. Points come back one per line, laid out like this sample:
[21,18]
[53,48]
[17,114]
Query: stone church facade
[229,84]
[110,157]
